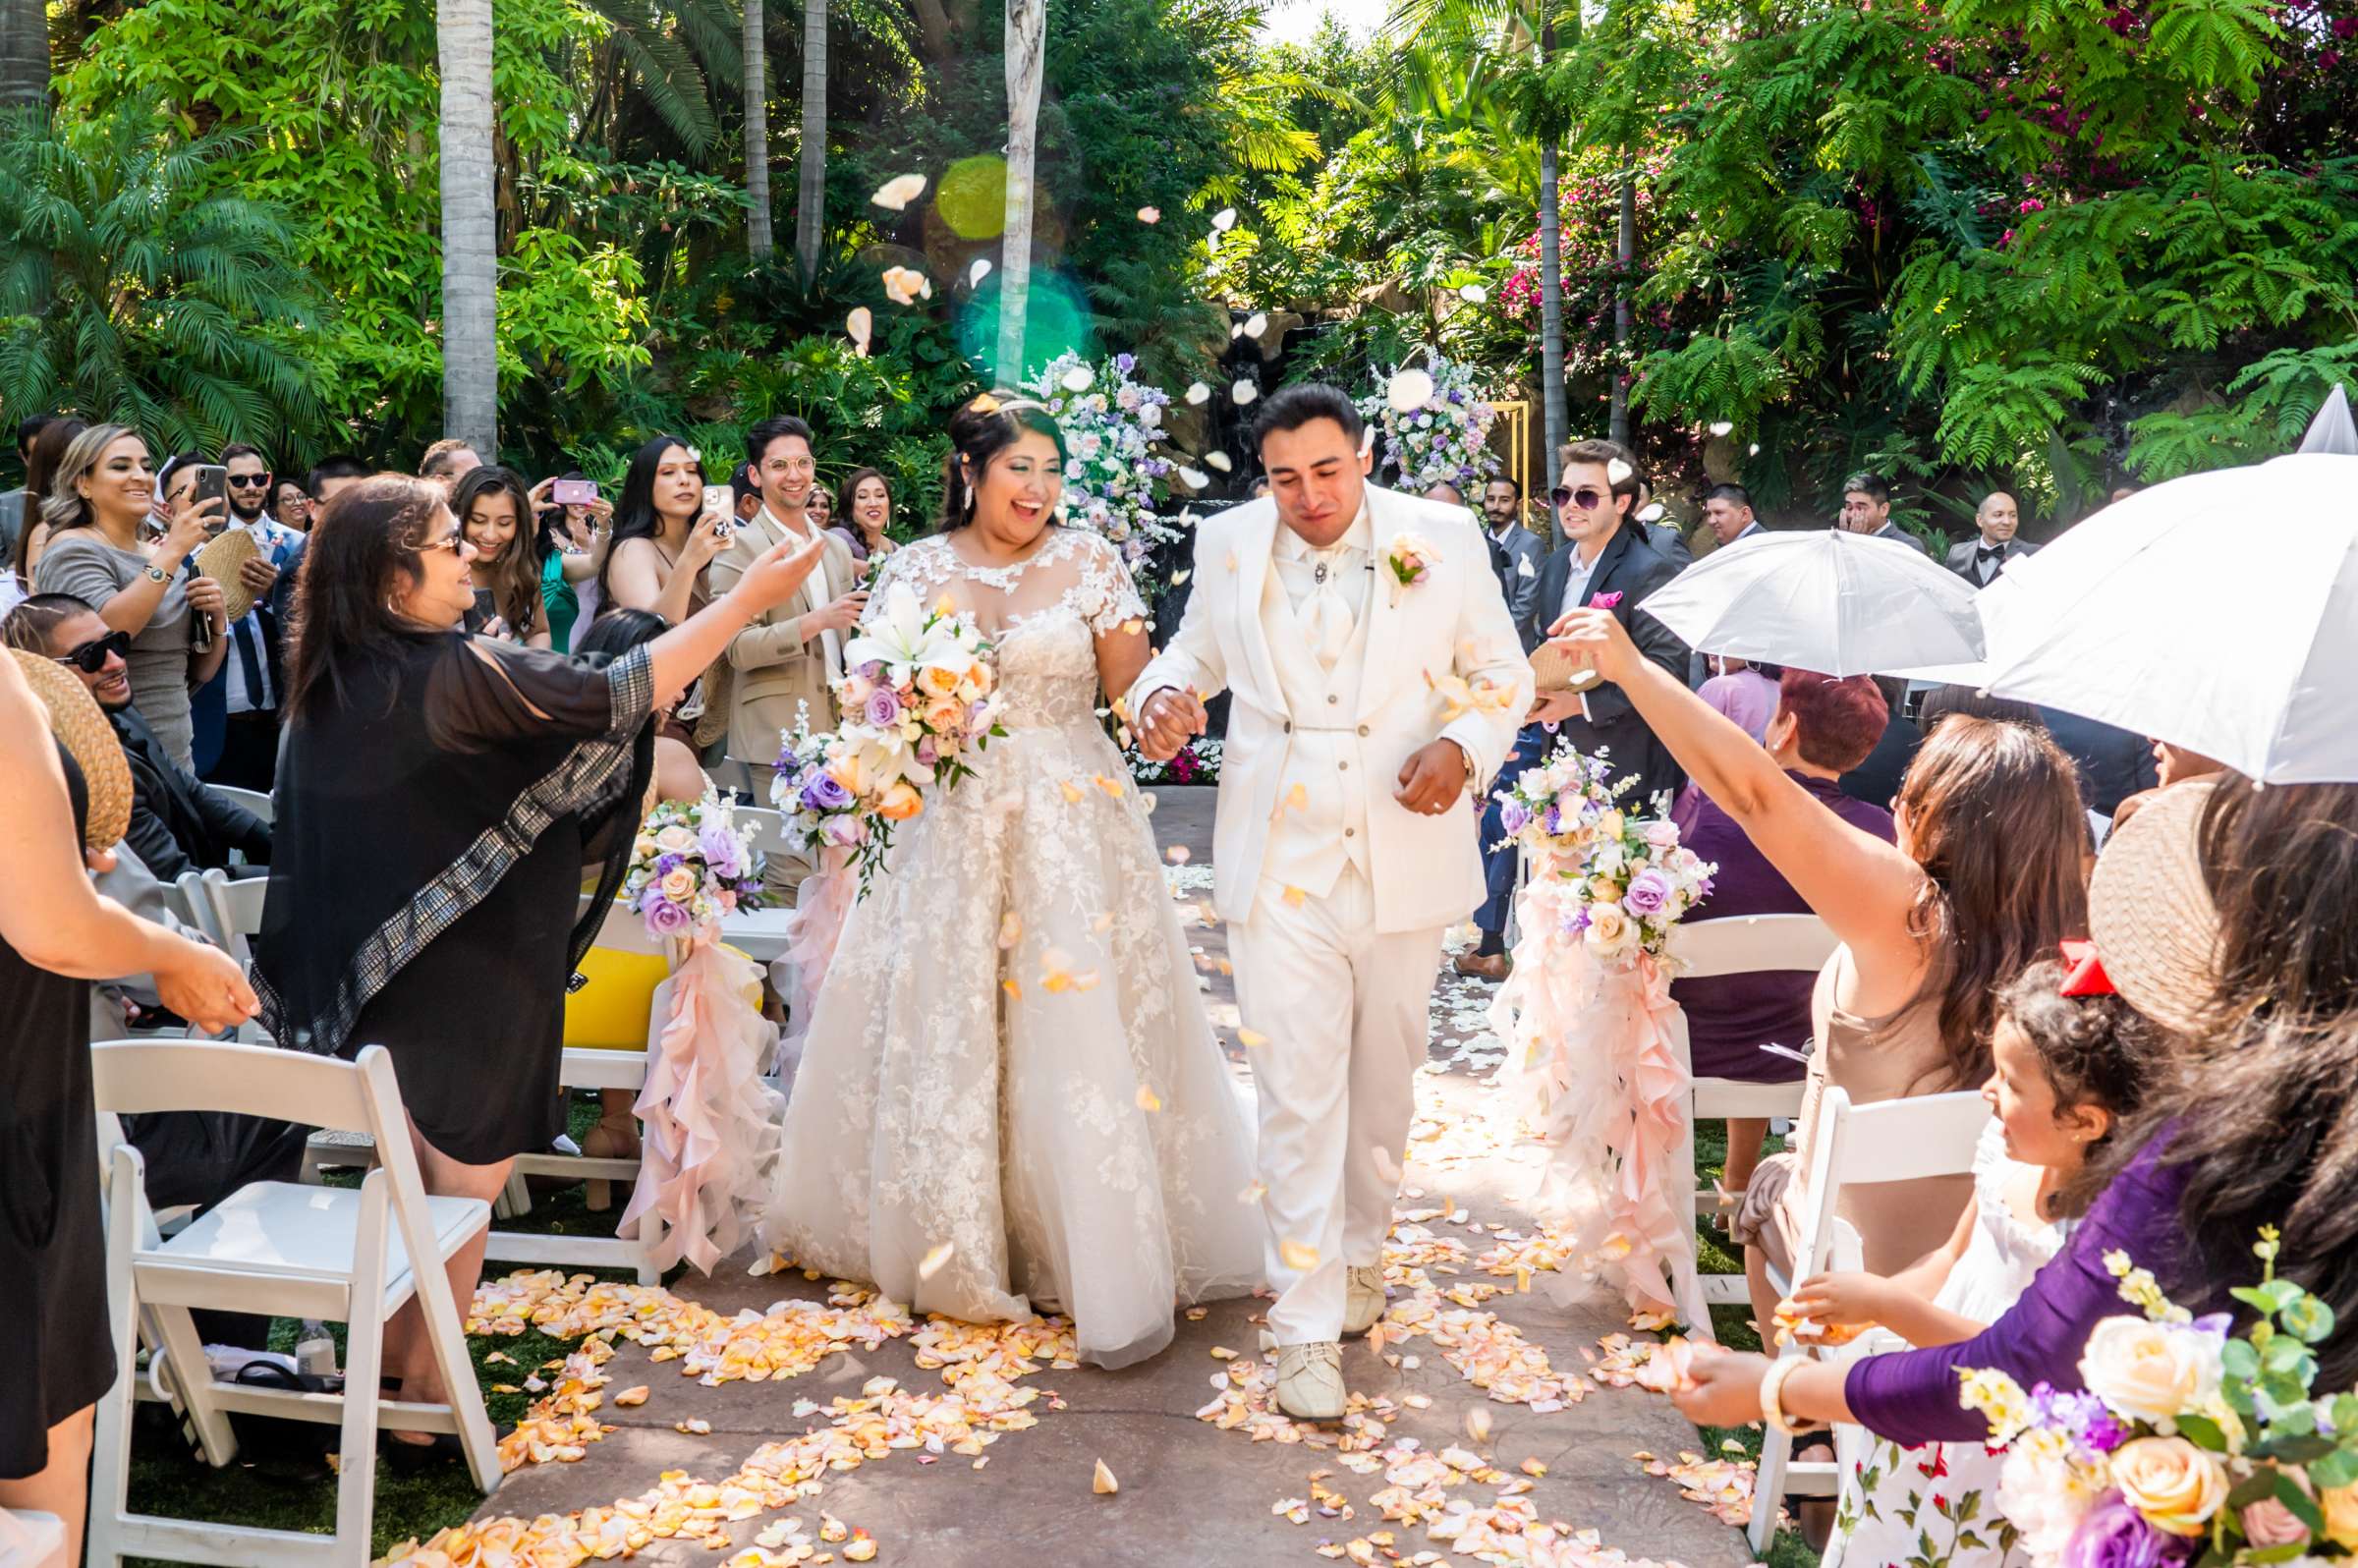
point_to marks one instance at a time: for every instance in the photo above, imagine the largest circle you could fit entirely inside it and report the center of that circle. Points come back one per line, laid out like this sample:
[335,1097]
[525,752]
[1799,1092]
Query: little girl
[2070,1062]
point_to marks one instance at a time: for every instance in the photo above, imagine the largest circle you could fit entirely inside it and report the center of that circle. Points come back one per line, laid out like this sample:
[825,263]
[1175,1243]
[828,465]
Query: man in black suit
[1978,561]
[1604,559]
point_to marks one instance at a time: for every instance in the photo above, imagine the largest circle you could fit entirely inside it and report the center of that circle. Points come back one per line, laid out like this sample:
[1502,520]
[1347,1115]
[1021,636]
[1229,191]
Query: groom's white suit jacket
[1426,871]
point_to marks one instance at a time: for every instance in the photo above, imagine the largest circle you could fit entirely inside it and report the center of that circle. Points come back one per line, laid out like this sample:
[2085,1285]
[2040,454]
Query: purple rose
[928,752]
[846,831]
[1648,891]
[822,791]
[873,671]
[1514,816]
[1125,363]
[883,708]
[720,850]
[666,918]
[2116,1536]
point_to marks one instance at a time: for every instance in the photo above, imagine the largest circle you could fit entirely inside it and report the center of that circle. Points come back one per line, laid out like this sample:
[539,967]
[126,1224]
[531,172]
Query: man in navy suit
[1604,561]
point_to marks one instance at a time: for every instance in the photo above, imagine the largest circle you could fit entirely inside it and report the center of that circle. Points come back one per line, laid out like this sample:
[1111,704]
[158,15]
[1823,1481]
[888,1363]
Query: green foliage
[130,289]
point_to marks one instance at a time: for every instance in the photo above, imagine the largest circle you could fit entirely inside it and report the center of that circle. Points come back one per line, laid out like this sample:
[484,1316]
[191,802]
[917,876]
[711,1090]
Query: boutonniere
[1604,601]
[1410,560]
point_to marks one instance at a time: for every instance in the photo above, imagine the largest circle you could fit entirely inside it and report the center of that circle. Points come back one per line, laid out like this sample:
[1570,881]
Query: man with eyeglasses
[177,823]
[250,675]
[1604,561]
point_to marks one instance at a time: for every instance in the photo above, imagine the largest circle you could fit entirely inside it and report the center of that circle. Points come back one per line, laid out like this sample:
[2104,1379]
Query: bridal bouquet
[919,698]
[1553,809]
[690,865]
[2188,1444]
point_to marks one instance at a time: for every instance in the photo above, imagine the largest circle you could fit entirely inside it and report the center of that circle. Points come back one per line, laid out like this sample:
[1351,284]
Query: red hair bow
[2086,977]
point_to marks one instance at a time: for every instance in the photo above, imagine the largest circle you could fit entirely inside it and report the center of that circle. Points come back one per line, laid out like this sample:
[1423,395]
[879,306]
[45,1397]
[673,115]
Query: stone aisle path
[1189,1490]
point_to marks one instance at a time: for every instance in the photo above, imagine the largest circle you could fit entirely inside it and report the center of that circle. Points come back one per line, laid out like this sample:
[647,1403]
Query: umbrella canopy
[1834,602]
[2167,614]
[2332,430]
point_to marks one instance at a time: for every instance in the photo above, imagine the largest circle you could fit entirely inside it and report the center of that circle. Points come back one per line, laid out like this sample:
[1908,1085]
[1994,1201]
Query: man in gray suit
[1866,508]
[1978,561]
[1516,553]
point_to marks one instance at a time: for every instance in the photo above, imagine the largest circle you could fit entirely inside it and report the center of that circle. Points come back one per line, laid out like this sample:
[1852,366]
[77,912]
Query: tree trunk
[811,197]
[757,133]
[1026,27]
[24,55]
[470,234]
[1625,252]
[1553,424]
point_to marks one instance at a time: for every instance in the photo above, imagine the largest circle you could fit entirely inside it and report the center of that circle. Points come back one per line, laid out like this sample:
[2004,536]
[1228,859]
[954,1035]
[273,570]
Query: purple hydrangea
[2080,1415]
[1648,894]
[883,708]
[666,864]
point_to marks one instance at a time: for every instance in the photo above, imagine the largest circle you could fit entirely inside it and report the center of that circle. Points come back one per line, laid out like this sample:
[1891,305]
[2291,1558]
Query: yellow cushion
[610,1012]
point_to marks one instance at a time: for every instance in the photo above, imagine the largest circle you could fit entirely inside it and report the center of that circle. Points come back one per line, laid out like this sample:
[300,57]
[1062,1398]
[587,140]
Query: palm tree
[1027,28]
[810,198]
[23,54]
[469,229]
[757,130]
[126,289]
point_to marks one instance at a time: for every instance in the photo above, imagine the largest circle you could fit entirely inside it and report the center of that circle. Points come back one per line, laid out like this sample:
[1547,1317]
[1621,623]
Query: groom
[1344,843]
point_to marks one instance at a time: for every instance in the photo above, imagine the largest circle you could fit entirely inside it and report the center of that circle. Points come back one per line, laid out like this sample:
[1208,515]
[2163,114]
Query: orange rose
[901,802]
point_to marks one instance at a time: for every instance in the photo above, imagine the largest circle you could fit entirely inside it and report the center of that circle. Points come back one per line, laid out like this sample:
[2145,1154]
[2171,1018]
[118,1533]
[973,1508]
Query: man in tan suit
[791,656]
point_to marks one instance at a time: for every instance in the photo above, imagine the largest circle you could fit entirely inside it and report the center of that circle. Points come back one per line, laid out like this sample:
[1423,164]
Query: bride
[1010,1099]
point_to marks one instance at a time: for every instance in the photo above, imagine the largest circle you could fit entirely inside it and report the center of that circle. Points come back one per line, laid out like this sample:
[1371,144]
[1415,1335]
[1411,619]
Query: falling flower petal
[1250,1038]
[896,194]
[1722,427]
[1194,478]
[862,1548]
[1253,1193]
[1219,459]
[1150,214]
[1408,390]
[1296,1256]
[632,1396]
[1474,294]
[1650,512]
[1256,324]
[1178,578]
[862,326]
[1477,1423]
[978,272]
[1244,392]
[1295,897]
[931,1264]
[1148,1101]
[1102,1481]
[1617,472]
[1080,378]
[1225,219]
[1756,449]
[1176,854]
[906,285]
[1197,393]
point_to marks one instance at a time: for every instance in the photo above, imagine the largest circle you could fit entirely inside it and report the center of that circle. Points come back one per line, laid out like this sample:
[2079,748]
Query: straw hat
[2150,910]
[81,727]
[220,559]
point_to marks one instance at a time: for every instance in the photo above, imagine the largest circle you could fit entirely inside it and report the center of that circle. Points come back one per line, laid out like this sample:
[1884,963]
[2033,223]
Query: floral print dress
[1935,1506]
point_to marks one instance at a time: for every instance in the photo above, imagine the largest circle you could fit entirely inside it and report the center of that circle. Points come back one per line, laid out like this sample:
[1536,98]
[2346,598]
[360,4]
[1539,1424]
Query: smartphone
[722,498]
[212,483]
[574,492]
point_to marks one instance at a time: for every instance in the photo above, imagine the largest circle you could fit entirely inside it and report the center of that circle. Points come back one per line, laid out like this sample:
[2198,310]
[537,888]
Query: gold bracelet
[1772,1397]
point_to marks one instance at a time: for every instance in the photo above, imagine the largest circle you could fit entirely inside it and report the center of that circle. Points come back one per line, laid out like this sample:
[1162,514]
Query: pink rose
[1604,601]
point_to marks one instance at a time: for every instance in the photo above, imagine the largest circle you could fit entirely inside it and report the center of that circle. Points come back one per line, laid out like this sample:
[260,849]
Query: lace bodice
[1042,614]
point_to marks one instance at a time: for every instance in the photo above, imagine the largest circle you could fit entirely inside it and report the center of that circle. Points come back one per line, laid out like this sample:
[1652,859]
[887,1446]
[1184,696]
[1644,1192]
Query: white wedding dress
[1010,1099]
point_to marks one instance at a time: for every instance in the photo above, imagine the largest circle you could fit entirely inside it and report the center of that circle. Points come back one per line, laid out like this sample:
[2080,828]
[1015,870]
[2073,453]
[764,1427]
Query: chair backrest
[1745,944]
[769,830]
[237,907]
[193,901]
[261,806]
[624,931]
[135,1077]
[1891,1141]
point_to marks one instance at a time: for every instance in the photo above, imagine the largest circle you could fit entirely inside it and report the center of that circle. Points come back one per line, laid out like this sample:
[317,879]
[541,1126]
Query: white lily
[901,640]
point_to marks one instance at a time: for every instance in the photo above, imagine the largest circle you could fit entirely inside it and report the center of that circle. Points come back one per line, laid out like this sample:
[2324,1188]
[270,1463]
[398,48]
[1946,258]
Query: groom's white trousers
[1347,1014]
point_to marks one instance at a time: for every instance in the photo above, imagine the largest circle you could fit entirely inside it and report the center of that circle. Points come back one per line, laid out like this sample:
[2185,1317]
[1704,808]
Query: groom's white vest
[1344,734]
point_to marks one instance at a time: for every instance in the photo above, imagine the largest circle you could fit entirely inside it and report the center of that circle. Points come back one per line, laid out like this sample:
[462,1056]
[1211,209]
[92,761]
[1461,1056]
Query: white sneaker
[1364,1300]
[1310,1380]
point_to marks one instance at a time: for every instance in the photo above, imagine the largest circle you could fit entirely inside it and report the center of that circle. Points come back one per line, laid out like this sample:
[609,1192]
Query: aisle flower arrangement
[1196,762]
[1442,437]
[1112,424]
[2188,1444]
[1588,1018]
[919,700]
[690,865]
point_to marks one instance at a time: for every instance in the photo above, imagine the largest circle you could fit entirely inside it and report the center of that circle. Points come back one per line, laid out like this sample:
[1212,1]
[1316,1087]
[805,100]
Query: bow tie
[1989,552]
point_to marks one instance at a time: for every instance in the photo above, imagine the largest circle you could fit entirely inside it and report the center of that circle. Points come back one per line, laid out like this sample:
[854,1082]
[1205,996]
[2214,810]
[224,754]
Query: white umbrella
[1834,602]
[1990,602]
[2332,430]
[2169,614]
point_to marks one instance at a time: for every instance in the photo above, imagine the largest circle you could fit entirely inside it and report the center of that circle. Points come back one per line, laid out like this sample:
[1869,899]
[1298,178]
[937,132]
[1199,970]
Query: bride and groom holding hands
[1011,1100]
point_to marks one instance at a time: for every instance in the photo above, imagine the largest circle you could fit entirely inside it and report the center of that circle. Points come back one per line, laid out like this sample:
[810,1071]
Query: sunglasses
[248,481]
[92,657]
[1588,498]
[455,542]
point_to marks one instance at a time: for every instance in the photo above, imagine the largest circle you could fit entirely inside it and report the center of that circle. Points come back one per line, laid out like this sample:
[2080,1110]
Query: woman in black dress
[441,798]
[56,936]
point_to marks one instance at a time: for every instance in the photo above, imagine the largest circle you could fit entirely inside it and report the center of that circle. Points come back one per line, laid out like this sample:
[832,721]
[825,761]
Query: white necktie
[1326,614]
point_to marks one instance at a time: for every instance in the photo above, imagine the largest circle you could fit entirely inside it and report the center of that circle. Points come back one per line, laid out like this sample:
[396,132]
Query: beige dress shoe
[1365,1299]
[1310,1380]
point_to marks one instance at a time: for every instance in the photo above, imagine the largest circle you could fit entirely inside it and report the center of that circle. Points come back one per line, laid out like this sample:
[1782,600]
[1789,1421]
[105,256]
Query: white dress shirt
[821,591]
[1346,566]
[246,670]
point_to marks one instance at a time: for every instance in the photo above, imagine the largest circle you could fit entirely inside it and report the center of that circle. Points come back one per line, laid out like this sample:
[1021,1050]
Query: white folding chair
[1742,944]
[761,933]
[261,806]
[590,1067]
[283,1250]
[236,908]
[1857,1145]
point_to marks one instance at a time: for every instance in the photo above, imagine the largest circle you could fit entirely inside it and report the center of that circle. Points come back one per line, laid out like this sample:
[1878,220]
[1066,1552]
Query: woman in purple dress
[2224,914]
[1819,729]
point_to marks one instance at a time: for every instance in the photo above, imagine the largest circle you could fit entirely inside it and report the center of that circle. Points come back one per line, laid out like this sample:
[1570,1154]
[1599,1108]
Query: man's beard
[239,513]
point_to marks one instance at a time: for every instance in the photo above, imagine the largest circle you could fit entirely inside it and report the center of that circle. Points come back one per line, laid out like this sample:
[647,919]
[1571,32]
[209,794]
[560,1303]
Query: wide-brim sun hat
[2150,913]
[81,727]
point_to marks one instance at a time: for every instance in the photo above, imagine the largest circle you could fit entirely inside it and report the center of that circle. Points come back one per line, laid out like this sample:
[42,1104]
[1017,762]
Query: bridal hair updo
[982,427]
